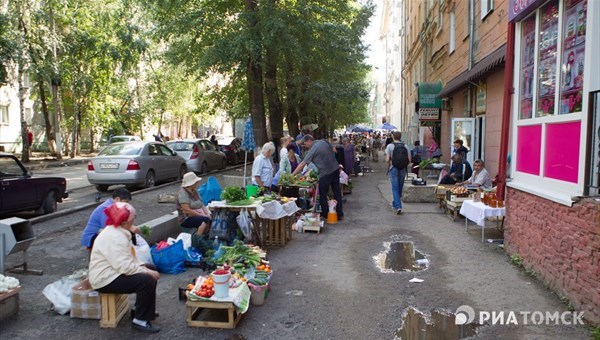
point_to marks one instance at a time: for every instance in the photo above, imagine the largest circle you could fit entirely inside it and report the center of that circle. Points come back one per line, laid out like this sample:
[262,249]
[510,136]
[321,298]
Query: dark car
[21,191]
[233,150]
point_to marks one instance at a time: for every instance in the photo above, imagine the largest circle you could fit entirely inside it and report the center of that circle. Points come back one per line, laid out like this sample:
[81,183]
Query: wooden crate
[275,232]
[452,209]
[9,303]
[212,314]
[114,307]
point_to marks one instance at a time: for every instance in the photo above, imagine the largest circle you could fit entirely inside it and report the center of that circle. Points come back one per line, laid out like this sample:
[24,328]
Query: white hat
[189,179]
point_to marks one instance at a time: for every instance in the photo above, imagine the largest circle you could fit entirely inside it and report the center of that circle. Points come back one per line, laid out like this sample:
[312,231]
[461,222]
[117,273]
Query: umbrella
[387,126]
[359,128]
[248,144]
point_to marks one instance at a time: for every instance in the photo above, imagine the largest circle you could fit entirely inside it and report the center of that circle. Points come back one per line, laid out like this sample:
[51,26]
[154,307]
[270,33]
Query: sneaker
[149,328]
[399,212]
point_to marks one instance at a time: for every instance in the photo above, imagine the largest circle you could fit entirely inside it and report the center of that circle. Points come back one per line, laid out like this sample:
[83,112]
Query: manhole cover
[434,326]
[401,256]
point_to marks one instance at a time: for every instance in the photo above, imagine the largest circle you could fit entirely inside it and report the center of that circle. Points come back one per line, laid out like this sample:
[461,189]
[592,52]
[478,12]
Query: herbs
[303,181]
[232,194]
[145,230]
[286,179]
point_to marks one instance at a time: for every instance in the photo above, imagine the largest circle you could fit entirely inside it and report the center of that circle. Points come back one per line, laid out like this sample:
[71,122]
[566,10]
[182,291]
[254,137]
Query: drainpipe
[506,104]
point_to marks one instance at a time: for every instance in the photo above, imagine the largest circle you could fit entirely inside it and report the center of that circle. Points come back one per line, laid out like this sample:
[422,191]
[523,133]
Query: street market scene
[158,178]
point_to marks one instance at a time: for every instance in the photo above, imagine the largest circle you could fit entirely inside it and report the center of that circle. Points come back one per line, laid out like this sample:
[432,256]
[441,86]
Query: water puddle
[433,326]
[400,256]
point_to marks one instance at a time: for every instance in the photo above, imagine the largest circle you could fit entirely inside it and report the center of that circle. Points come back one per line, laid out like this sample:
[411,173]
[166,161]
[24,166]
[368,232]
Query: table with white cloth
[478,212]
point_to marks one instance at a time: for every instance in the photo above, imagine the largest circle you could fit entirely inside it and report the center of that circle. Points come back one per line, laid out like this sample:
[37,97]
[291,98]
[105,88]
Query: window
[451,44]
[3,114]
[487,6]
[440,21]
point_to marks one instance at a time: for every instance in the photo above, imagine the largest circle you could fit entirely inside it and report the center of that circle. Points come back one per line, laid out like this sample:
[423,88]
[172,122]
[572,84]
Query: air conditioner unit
[447,104]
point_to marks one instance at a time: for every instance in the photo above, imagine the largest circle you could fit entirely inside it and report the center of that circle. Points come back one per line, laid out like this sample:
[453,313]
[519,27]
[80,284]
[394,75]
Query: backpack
[400,156]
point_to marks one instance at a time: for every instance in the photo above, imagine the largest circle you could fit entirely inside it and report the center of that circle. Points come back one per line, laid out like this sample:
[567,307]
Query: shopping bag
[142,250]
[187,240]
[193,256]
[243,221]
[59,293]
[210,191]
[169,260]
[220,225]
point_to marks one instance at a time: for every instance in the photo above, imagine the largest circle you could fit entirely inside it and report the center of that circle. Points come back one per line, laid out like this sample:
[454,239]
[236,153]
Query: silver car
[201,155]
[135,164]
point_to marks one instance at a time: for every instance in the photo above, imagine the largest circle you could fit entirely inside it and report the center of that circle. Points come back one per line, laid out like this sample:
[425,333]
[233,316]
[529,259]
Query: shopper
[321,153]
[397,157]
[115,269]
[262,169]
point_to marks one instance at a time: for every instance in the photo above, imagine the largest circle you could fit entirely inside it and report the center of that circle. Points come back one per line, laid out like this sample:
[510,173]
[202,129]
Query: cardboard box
[85,302]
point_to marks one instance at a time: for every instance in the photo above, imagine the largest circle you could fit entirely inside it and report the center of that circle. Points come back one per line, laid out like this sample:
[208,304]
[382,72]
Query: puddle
[433,326]
[400,256]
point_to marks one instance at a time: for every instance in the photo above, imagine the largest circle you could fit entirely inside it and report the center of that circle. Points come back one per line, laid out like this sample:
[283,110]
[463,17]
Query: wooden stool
[114,307]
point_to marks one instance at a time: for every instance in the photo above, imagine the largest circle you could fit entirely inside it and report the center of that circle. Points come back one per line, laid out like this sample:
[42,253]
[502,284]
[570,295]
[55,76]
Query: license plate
[109,165]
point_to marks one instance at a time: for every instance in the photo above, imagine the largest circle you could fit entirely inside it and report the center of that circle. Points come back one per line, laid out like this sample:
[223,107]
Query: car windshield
[10,167]
[181,146]
[121,149]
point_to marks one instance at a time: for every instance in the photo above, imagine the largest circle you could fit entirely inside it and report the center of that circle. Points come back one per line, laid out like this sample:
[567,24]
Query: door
[463,128]
[170,161]
[479,143]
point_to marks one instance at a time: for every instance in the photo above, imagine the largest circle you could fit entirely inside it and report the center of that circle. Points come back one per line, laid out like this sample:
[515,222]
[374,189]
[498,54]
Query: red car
[21,191]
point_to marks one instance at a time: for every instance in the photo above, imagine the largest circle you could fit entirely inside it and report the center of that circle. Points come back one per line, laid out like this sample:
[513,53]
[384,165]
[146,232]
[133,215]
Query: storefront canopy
[487,65]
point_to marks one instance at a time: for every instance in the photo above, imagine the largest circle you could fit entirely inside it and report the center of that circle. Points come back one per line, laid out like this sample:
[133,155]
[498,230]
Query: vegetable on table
[232,194]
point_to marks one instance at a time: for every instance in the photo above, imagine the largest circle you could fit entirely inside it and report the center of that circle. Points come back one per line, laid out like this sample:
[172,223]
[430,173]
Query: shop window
[574,27]
[562,151]
[529,146]
[527,67]
[548,44]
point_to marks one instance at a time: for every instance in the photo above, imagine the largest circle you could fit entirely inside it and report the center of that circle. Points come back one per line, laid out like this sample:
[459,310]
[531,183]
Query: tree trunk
[75,128]
[254,79]
[22,94]
[48,125]
[272,91]
[292,107]
[92,140]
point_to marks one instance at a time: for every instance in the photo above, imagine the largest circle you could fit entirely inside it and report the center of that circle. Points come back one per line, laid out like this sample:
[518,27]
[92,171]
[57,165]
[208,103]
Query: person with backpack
[397,158]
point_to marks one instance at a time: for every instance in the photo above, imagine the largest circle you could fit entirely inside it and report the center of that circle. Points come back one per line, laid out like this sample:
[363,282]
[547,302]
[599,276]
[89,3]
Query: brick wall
[560,244]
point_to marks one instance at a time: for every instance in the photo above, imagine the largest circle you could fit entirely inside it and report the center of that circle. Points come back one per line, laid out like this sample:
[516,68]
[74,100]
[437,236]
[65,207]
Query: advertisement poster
[573,59]
[547,59]
[527,60]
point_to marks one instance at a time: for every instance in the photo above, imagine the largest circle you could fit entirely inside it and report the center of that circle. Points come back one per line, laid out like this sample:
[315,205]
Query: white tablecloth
[477,212]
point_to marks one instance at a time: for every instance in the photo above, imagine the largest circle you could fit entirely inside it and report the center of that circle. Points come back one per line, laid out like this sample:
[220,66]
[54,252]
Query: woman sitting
[193,216]
[456,171]
[115,269]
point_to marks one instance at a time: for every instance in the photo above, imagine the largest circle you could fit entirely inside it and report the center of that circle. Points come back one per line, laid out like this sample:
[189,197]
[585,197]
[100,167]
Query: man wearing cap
[97,219]
[192,214]
[321,154]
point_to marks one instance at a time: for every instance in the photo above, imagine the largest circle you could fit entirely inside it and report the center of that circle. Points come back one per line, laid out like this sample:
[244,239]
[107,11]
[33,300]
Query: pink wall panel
[562,151]
[529,144]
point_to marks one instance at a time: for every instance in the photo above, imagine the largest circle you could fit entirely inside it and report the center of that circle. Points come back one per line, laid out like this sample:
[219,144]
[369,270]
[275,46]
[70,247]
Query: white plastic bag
[343,177]
[186,238]
[142,250]
[243,221]
[59,293]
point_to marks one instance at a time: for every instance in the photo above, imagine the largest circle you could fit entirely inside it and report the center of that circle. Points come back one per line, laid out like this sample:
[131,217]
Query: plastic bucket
[221,285]
[258,294]
[251,190]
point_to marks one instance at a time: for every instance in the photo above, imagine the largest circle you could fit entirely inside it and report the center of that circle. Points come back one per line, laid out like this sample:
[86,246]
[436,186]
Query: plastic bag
[243,221]
[193,256]
[220,225]
[186,238]
[343,177]
[59,293]
[142,250]
[210,191]
[169,260]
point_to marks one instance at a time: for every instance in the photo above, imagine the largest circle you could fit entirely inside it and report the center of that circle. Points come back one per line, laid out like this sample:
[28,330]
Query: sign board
[429,113]
[481,99]
[517,9]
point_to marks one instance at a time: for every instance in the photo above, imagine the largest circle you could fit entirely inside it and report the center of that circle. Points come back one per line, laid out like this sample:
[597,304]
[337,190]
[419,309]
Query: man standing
[98,219]
[321,154]
[397,157]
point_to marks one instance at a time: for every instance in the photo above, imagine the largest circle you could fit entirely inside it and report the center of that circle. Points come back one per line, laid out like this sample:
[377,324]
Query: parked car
[135,164]
[233,150]
[117,139]
[201,155]
[21,191]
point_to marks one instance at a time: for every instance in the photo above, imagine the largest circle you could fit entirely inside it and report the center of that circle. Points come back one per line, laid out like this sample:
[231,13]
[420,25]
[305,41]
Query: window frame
[487,7]
[452,33]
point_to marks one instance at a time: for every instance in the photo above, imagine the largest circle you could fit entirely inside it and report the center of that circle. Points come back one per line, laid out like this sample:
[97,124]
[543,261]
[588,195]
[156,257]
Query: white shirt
[262,168]
[482,178]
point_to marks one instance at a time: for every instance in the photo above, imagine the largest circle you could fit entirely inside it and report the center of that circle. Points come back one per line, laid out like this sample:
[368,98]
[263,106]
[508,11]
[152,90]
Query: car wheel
[150,179]
[102,187]
[203,168]
[50,205]
[182,171]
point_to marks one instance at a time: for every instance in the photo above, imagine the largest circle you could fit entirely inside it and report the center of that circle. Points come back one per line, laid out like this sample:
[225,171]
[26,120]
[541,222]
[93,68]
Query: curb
[55,163]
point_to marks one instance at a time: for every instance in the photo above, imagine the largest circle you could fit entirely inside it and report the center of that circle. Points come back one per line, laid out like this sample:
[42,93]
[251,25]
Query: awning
[485,66]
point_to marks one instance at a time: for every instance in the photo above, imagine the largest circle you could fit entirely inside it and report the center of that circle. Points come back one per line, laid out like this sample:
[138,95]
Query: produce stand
[212,314]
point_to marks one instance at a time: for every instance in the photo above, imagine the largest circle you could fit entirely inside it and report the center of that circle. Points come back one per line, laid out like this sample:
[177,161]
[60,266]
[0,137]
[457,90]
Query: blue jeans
[397,180]
[332,181]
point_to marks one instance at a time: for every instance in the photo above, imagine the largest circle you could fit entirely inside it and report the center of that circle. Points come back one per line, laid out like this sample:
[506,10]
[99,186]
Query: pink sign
[562,151]
[529,145]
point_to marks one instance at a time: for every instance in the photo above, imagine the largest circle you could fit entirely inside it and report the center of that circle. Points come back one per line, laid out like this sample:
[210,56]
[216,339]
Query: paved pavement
[325,286]
[43,160]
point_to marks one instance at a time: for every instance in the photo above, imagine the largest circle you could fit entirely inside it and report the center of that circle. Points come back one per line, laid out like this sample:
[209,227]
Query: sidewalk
[42,160]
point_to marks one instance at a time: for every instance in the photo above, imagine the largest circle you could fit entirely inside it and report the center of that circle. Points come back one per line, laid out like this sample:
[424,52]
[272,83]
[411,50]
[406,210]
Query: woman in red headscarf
[115,269]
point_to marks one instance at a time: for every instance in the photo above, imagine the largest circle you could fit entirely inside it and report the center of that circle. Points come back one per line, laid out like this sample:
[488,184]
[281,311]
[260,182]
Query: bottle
[216,243]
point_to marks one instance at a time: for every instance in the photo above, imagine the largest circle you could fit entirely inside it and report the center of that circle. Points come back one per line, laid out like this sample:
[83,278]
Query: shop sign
[480,101]
[428,95]
[429,113]
[517,9]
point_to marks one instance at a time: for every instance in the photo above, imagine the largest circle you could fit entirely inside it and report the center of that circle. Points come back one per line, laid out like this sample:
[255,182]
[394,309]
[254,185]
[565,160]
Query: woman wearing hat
[193,215]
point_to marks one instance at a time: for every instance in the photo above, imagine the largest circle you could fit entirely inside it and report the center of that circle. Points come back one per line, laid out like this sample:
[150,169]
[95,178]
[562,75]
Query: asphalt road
[324,286]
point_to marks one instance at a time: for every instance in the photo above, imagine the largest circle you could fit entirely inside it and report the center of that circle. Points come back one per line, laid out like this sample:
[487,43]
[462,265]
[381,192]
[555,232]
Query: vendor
[193,216]
[289,163]
[262,169]
[114,268]
[459,170]
[480,177]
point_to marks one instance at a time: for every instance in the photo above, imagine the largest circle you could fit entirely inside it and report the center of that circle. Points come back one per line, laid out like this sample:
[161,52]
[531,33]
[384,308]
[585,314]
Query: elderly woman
[192,214]
[115,269]
[262,169]
[349,156]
